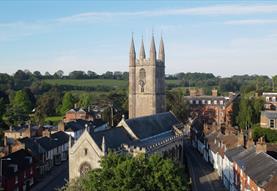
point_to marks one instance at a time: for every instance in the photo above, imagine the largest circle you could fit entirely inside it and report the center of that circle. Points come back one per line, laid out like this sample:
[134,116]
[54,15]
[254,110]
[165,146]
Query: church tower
[146,81]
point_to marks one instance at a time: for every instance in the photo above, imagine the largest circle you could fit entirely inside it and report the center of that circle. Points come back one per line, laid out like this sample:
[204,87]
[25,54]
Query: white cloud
[251,22]
[208,10]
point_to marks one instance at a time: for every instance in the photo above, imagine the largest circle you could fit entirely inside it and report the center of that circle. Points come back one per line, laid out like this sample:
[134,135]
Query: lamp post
[1,171]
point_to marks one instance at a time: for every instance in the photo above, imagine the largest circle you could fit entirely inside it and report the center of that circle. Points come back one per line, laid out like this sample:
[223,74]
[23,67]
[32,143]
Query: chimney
[241,139]
[46,133]
[61,126]
[261,145]
[214,92]
[192,92]
[5,141]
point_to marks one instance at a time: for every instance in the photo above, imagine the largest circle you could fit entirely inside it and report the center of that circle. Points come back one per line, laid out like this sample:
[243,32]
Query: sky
[221,37]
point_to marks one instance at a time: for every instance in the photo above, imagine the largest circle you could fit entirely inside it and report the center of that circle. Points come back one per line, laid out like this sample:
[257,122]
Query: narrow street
[54,180]
[204,177]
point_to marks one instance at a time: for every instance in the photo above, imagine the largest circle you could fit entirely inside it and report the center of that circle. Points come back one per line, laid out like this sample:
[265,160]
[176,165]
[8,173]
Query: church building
[149,128]
[146,81]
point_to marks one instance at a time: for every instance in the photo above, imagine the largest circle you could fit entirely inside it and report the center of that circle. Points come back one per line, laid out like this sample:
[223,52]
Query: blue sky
[225,38]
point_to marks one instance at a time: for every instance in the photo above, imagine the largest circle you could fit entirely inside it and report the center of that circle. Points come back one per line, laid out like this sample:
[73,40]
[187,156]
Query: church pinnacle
[142,51]
[132,53]
[153,51]
[161,51]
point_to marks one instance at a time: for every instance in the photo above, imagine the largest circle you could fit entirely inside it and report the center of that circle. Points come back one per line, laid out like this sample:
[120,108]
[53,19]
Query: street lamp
[1,171]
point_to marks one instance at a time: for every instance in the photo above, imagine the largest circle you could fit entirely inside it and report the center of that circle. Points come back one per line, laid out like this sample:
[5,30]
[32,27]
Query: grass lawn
[54,119]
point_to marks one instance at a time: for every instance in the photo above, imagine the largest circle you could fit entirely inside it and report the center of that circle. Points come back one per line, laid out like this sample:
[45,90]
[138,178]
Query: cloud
[251,22]
[208,10]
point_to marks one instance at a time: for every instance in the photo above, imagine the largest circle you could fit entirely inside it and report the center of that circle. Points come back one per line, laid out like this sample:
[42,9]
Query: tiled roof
[260,167]
[152,125]
[230,153]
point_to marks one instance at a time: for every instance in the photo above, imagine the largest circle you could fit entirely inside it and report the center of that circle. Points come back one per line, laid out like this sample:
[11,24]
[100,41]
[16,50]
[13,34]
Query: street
[54,180]
[204,177]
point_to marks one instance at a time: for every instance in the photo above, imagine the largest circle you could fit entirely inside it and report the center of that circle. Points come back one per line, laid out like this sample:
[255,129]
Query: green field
[89,83]
[96,82]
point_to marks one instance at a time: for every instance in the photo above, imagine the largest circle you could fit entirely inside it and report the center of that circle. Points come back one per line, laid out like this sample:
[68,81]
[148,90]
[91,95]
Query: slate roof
[32,145]
[47,143]
[153,140]
[148,126]
[260,167]
[60,137]
[18,158]
[270,114]
[114,137]
[231,153]
[80,124]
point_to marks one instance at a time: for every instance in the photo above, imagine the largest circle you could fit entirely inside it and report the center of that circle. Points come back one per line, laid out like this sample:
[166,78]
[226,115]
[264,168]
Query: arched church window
[142,79]
[84,168]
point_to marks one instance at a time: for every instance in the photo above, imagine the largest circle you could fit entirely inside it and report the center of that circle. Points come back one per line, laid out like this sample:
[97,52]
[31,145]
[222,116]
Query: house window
[221,102]
[272,123]
[31,171]
[203,101]
[273,99]
[197,102]
[209,102]
[215,102]
[267,98]
[16,179]
[191,101]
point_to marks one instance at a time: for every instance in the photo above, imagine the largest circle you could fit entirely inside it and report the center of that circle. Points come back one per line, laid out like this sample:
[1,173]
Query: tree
[245,113]
[274,81]
[125,173]
[20,107]
[67,103]
[59,74]
[85,100]
[175,102]
[2,107]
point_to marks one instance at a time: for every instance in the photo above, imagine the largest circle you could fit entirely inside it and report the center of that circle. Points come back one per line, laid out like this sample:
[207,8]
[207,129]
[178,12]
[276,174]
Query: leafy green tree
[245,113]
[274,80]
[2,107]
[249,111]
[67,103]
[126,173]
[175,103]
[20,107]
[85,100]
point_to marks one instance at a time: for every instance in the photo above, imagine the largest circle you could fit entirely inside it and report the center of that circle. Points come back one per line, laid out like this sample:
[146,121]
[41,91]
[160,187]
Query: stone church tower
[146,81]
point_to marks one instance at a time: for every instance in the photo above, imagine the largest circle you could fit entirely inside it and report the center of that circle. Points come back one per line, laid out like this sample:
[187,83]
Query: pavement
[204,177]
[55,179]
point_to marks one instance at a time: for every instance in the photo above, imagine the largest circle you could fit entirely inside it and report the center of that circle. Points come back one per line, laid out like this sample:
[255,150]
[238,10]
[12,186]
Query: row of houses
[34,158]
[241,164]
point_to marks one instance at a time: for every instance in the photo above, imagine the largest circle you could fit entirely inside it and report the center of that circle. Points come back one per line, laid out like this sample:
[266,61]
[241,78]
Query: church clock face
[84,168]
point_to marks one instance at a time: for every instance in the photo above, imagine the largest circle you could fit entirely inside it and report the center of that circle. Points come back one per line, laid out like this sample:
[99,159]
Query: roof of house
[18,158]
[32,145]
[260,167]
[270,114]
[148,126]
[231,153]
[60,137]
[114,137]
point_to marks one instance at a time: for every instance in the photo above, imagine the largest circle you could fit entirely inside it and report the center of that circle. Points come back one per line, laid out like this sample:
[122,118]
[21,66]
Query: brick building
[19,171]
[270,100]
[213,109]
[268,119]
